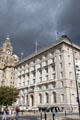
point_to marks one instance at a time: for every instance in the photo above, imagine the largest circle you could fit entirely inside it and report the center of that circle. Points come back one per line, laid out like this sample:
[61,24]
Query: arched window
[54,97]
[40,98]
[47,98]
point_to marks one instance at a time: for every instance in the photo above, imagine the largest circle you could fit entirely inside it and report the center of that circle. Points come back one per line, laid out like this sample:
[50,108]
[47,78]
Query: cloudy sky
[29,20]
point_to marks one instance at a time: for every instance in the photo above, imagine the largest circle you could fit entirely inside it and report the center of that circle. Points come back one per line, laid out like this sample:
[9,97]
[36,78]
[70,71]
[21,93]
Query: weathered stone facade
[7,63]
[47,78]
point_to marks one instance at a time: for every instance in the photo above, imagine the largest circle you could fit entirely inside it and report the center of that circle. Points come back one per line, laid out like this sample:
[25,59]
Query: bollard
[45,117]
[41,115]
[65,113]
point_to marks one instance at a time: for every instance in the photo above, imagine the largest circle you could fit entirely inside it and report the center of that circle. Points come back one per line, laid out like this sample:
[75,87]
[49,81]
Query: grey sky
[29,20]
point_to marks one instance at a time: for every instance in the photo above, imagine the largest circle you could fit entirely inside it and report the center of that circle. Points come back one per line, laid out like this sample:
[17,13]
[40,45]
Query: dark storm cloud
[29,20]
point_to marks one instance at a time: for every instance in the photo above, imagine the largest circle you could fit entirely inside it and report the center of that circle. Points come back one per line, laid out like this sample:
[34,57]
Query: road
[26,118]
[37,116]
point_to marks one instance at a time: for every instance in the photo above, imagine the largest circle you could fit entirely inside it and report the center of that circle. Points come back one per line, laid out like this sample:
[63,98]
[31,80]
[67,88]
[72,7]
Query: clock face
[8,51]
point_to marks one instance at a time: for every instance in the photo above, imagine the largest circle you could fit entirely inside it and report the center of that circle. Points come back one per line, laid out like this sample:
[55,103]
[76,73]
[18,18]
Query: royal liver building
[7,63]
[48,77]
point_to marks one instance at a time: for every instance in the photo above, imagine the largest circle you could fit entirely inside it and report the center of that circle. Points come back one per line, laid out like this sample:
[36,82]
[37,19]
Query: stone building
[7,63]
[47,77]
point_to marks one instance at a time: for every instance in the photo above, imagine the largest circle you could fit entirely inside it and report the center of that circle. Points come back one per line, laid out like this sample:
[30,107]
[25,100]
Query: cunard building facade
[7,63]
[47,77]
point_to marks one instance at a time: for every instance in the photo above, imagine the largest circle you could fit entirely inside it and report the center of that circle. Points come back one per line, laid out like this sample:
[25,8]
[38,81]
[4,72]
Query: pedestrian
[12,115]
[17,113]
[4,115]
[53,113]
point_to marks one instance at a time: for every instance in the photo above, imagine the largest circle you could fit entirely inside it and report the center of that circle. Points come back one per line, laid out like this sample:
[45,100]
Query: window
[46,86]
[60,65]
[69,57]
[28,82]
[62,83]
[46,62]
[61,75]
[40,79]
[40,98]
[47,98]
[76,60]
[54,97]
[27,100]
[46,77]
[60,57]
[69,64]
[46,69]
[33,74]
[54,84]
[62,97]
[40,65]
[40,87]
[70,74]
[54,76]
[53,67]
[33,81]
[53,60]
[40,72]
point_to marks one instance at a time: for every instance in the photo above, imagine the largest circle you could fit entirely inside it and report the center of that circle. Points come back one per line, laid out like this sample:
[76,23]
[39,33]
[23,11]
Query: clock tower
[7,48]
[7,63]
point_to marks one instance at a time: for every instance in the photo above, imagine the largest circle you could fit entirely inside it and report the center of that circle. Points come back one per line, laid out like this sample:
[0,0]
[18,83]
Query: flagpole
[22,55]
[36,46]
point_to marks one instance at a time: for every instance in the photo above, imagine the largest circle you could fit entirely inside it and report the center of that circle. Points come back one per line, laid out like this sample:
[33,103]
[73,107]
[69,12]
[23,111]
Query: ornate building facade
[47,77]
[7,63]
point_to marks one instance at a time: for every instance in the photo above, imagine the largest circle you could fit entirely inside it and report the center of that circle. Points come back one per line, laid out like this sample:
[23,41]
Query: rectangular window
[61,75]
[46,69]
[60,57]
[54,84]
[62,97]
[33,81]
[46,77]
[70,74]
[62,83]
[76,60]
[54,76]
[40,65]
[53,67]
[69,64]
[46,86]
[40,87]
[40,71]
[46,62]
[33,74]
[60,65]
[68,57]
[53,60]
[40,79]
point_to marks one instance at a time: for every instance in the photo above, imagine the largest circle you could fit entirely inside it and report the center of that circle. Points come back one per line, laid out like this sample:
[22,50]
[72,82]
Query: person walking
[17,113]
[53,113]
[12,115]
[4,115]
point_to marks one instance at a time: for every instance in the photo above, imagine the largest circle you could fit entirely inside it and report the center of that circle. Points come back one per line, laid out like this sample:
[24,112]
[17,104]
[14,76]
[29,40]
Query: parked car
[33,109]
[23,108]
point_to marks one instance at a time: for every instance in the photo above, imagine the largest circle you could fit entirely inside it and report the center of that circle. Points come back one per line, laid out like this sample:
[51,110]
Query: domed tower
[7,63]
[7,48]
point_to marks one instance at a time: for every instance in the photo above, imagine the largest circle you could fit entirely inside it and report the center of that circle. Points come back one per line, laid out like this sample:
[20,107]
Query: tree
[8,95]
